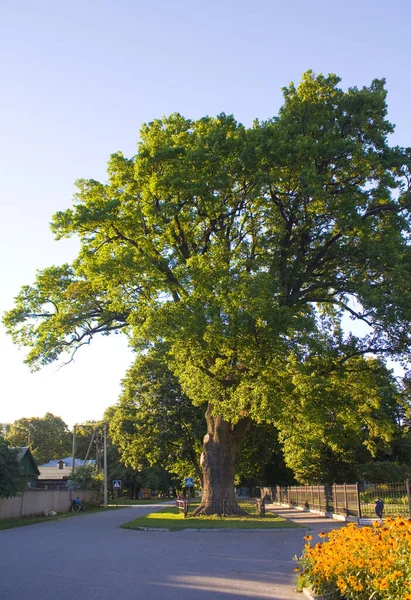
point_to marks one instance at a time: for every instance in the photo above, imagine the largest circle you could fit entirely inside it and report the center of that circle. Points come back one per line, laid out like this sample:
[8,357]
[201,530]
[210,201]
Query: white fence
[34,502]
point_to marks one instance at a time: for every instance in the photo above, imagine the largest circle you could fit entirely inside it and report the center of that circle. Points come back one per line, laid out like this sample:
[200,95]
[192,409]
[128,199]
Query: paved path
[88,557]
[313,524]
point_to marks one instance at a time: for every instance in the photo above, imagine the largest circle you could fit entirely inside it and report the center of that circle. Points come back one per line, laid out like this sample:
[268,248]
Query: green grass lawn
[22,521]
[138,502]
[172,519]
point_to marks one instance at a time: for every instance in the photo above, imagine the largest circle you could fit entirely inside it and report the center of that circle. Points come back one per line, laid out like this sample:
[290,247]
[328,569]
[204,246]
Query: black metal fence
[348,500]
[396,498]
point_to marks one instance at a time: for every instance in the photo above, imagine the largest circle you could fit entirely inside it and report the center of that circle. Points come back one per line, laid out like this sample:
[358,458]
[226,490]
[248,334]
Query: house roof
[21,451]
[26,460]
[68,462]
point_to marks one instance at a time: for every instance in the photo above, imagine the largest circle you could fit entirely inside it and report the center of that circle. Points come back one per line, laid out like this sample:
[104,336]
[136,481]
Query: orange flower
[382,584]
[342,586]
[355,584]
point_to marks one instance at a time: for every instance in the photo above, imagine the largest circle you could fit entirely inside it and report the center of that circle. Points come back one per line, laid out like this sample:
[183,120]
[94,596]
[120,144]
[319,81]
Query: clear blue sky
[79,78]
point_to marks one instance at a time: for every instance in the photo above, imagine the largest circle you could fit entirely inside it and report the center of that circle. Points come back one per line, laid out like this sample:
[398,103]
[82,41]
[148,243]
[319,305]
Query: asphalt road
[88,557]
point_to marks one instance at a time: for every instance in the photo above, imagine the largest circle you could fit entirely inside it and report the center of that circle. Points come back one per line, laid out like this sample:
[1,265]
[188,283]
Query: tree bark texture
[218,461]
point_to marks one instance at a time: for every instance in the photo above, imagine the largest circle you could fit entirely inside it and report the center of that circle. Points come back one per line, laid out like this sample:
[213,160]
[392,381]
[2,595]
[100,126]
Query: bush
[361,563]
[86,477]
[383,472]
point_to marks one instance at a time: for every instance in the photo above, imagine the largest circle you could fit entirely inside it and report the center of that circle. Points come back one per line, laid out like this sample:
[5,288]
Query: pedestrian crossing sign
[117,484]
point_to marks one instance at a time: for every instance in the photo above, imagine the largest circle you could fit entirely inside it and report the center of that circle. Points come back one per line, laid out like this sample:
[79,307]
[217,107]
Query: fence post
[327,497]
[21,503]
[345,500]
[407,485]
[358,500]
[335,502]
[319,497]
[312,498]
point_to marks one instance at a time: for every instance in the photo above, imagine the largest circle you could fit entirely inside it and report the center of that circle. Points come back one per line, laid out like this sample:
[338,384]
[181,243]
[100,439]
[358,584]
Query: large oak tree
[242,250]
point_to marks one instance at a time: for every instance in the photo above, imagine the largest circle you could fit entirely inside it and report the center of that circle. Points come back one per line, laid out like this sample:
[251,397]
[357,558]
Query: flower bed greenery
[360,563]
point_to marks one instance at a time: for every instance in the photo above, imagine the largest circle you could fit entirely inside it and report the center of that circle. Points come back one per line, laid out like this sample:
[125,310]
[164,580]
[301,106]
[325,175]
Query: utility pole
[105,465]
[74,452]
[31,426]
[97,450]
[89,446]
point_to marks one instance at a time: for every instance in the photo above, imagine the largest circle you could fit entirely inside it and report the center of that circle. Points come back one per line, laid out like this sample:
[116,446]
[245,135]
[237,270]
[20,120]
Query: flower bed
[360,563]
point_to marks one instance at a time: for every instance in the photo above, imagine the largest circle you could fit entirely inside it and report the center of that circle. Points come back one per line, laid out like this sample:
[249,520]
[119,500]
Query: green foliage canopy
[48,437]
[340,418]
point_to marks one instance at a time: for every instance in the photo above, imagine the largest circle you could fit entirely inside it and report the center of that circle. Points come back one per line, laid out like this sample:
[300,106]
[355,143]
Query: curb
[217,529]
[369,521]
[148,529]
[239,530]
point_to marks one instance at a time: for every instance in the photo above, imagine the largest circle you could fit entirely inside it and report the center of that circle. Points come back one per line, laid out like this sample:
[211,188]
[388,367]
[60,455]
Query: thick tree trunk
[220,447]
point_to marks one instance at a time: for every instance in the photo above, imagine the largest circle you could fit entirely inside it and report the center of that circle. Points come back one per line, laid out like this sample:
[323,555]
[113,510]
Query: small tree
[11,480]
[86,477]
[155,423]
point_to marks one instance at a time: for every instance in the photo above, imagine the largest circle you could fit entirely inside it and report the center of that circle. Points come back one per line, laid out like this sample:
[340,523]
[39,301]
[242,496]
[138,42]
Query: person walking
[379,507]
